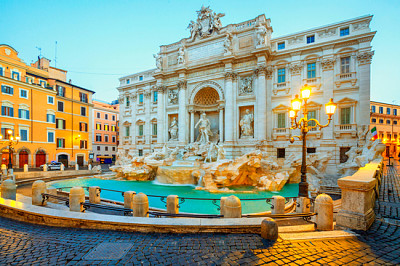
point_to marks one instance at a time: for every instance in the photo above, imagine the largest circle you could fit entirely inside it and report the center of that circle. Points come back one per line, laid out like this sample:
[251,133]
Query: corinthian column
[261,104]
[229,106]
[160,114]
[221,124]
[182,125]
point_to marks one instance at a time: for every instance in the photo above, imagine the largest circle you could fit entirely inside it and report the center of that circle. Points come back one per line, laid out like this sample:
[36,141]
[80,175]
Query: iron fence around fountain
[182,200]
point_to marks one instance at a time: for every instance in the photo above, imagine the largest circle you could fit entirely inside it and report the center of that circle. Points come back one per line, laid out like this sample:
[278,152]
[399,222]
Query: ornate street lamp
[303,125]
[10,142]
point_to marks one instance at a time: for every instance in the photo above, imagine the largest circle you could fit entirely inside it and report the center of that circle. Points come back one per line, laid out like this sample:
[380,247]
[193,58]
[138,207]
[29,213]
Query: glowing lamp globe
[1,136]
[9,131]
[305,92]
[17,137]
[296,104]
[292,113]
[330,107]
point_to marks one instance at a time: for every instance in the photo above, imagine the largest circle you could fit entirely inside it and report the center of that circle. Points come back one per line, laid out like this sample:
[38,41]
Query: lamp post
[303,125]
[10,142]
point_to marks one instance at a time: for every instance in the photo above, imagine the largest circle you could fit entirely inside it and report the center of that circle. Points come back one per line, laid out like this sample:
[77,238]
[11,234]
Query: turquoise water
[192,206]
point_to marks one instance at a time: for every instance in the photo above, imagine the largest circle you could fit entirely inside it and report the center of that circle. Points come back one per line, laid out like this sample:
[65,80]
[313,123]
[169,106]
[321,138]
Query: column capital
[147,94]
[365,58]
[182,85]
[161,88]
[264,70]
[230,75]
[327,63]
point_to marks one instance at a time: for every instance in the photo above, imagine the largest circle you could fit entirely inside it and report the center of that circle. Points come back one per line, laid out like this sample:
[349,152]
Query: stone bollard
[38,188]
[76,197]
[232,207]
[140,205]
[4,172]
[279,205]
[9,189]
[76,167]
[52,191]
[303,205]
[94,194]
[26,168]
[62,167]
[222,205]
[269,229]
[324,210]
[173,204]
[3,167]
[89,167]
[128,199]
[45,168]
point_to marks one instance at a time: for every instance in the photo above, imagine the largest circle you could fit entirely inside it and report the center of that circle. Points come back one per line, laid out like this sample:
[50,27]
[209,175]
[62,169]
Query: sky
[101,41]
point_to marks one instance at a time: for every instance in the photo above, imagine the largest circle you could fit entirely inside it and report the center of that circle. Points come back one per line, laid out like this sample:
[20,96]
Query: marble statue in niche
[173,96]
[204,129]
[246,128]
[173,129]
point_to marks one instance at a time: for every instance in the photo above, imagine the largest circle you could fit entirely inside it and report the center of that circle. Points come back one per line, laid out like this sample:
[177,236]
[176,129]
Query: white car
[52,166]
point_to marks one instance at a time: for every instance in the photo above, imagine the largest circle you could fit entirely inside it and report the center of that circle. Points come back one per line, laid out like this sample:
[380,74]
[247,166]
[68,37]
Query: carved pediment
[281,107]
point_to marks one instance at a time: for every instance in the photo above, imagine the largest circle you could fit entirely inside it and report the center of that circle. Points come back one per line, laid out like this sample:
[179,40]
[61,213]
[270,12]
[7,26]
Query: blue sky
[100,41]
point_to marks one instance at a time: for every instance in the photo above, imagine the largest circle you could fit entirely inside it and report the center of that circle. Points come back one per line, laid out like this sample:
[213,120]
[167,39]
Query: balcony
[283,87]
[281,133]
[140,140]
[344,78]
[346,129]
[126,140]
[313,82]
[315,131]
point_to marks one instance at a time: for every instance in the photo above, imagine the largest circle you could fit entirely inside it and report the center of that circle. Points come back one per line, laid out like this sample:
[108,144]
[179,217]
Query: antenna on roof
[40,51]
[55,56]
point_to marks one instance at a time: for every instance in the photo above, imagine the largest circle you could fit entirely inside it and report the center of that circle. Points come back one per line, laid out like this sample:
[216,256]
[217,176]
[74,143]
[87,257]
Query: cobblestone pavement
[22,243]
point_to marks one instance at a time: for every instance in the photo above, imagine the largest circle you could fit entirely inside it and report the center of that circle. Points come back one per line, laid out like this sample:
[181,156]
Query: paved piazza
[22,243]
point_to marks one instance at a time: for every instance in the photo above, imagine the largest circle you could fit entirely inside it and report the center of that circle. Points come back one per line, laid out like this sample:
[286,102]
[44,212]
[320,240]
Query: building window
[345,65]
[113,128]
[280,153]
[113,148]
[83,144]
[127,103]
[50,137]
[394,111]
[154,131]
[388,111]
[98,148]
[281,45]
[83,97]
[311,150]
[15,75]
[343,157]
[50,118]
[373,120]
[311,71]
[83,111]
[60,143]
[60,91]
[140,152]
[140,78]
[345,115]
[312,115]
[105,138]
[83,126]
[23,133]
[7,111]
[60,123]
[106,116]
[7,89]
[60,106]
[42,83]
[155,96]
[106,127]
[98,137]
[141,98]
[106,148]
[394,122]
[113,139]
[127,131]
[311,39]
[23,93]
[98,126]
[380,109]
[98,115]
[50,99]
[344,31]
[140,130]
[281,120]
[128,81]
[1,71]
[387,122]
[113,118]
[380,121]
[281,75]
[24,114]
[373,108]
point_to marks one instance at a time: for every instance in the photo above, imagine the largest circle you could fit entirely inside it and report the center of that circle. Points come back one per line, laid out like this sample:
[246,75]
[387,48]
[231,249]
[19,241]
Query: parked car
[52,166]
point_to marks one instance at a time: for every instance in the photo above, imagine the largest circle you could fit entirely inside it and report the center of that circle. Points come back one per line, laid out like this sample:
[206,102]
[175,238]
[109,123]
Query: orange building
[30,105]
[105,125]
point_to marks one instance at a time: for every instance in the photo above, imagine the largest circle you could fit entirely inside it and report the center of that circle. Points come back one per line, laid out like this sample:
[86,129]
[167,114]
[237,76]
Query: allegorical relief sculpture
[206,24]
[181,56]
[173,129]
[173,96]
[246,85]
[246,128]
[204,129]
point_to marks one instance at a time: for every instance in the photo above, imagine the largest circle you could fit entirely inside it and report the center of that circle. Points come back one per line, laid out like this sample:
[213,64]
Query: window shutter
[12,111]
[11,90]
[64,124]
[86,127]
[19,113]
[27,115]
[3,89]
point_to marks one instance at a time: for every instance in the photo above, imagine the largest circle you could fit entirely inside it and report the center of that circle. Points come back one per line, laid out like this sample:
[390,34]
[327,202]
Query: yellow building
[50,115]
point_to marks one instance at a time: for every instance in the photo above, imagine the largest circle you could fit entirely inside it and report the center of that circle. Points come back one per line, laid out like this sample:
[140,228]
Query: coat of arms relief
[207,23]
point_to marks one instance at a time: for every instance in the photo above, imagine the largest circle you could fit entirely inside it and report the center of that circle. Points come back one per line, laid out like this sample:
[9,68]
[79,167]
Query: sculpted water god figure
[173,129]
[204,128]
[246,128]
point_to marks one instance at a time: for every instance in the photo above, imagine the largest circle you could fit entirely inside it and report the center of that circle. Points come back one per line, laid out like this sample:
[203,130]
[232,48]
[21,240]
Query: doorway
[80,160]
[23,158]
[40,158]
[63,158]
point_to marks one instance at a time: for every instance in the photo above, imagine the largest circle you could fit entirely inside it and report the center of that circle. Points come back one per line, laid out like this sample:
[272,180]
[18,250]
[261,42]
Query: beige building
[386,117]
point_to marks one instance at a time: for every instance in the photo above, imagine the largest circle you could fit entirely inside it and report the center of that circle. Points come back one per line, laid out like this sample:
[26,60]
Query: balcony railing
[127,139]
[281,130]
[345,76]
[346,129]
